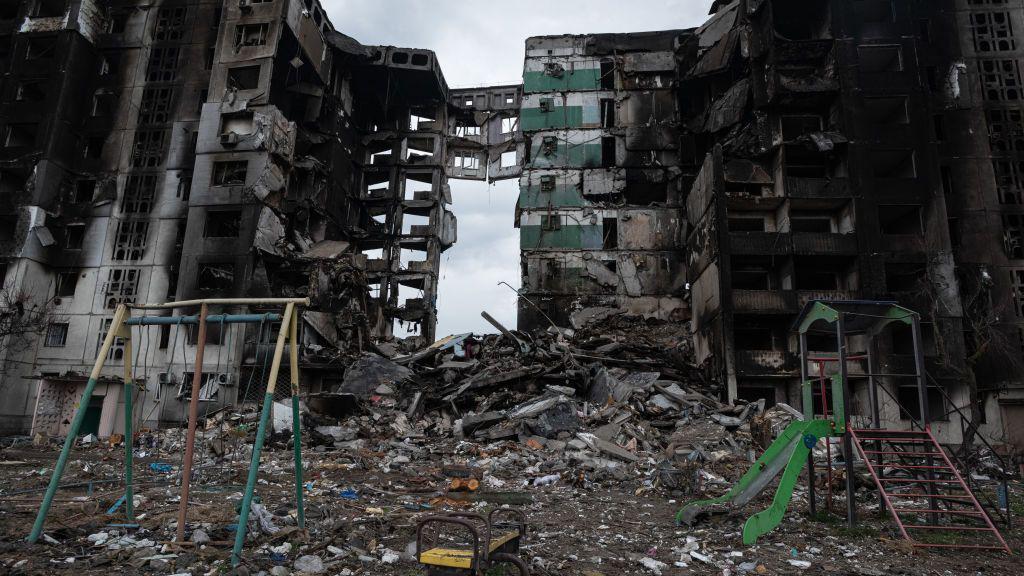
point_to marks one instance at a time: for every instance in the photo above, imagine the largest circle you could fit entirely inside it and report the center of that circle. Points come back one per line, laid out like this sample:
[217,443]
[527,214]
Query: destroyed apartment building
[720,178]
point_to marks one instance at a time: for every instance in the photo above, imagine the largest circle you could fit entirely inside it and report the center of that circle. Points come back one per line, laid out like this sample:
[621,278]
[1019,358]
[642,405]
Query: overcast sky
[481,43]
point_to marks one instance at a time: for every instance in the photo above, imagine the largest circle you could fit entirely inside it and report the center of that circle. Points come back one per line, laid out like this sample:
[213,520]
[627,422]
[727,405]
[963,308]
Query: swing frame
[120,327]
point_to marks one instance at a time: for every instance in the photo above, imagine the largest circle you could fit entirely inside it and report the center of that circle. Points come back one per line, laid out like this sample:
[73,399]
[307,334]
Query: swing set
[121,327]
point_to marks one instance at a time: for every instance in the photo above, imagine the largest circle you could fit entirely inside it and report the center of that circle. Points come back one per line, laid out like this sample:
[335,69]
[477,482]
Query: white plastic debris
[389,556]
[653,565]
[547,480]
[802,564]
[309,564]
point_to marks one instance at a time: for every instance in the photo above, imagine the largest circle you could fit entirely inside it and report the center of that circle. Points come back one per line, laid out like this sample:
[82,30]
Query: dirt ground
[362,512]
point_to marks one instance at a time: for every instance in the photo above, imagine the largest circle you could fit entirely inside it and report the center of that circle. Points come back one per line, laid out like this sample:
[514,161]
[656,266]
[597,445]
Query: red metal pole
[193,418]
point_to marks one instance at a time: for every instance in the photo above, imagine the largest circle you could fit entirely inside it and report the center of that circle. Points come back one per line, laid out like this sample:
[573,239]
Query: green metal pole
[129,496]
[250,484]
[297,439]
[62,460]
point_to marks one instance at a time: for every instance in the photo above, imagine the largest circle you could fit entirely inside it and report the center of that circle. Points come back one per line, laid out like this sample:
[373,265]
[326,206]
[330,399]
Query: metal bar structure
[261,431]
[120,327]
[809,413]
[76,423]
[193,419]
[847,399]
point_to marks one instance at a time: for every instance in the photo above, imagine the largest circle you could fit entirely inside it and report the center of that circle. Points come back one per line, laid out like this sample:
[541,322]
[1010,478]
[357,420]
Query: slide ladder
[924,492]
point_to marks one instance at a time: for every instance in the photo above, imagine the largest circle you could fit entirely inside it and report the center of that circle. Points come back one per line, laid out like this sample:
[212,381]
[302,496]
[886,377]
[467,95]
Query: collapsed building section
[598,209]
[195,149]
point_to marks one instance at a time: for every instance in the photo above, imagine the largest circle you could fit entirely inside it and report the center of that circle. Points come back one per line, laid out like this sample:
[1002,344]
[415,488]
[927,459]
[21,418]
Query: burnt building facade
[858,150]
[185,149]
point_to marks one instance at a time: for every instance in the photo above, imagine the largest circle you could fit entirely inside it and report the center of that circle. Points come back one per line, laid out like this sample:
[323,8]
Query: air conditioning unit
[225,379]
[245,5]
[166,378]
[229,139]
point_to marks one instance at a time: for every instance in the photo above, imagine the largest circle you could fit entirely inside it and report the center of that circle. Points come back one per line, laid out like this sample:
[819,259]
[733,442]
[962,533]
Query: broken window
[118,22]
[880,58]
[608,151]
[116,352]
[810,222]
[172,282]
[215,278]
[139,193]
[149,149]
[746,336]
[131,239]
[156,106]
[467,130]
[466,160]
[547,183]
[109,63]
[251,34]
[222,224]
[910,403]
[893,164]
[610,232]
[510,99]
[993,32]
[170,24]
[815,278]
[802,163]
[244,77]
[230,173]
[84,191]
[902,278]
[547,104]
[607,75]
[509,125]
[93,147]
[121,287]
[939,127]
[1000,80]
[56,335]
[607,113]
[751,274]
[67,282]
[163,64]
[21,135]
[887,110]
[551,222]
[39,48]
[900,219]
[31,91]
[1009,174]
[49,8]
[1013,235]
[74,236]
[1005,130]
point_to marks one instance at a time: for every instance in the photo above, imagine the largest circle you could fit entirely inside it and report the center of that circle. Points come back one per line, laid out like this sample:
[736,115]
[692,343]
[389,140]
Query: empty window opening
[904,278]
[8,10]
[741,224]
[67,282]
[547,183]
[31,91]
[1000,80]
[21,135]
[607,113]
[910,403]
[751,337]
[610,231]
[551,222]
[414,225]
[400,58]
[924,30]
[955,234]
[150,148]
[222,224]
[1005,130]
[420,59]
[74,236]
[801,20]
[1013,235]
[93,147]
[510,99]
[49,8]
[803,163]
[509,125]
[419,149]
[893,164]
[509,159]
[795,126]
[215,278]
[755,393]
[880,58]
[607,75]
[992,32]
[244,78]
[84,191]
[229,173]
[417,122]
[875,12]
[887,110]
[251,34]
[464,130]
[139,193]
[237,124]
[121,287]
[810,222]
[751,274]
[56,335]
[466,161]
[608,151]
[1009,180]
[939,127]
[131,239]
[902,219]
[807,278]
[39,48]
[109,63]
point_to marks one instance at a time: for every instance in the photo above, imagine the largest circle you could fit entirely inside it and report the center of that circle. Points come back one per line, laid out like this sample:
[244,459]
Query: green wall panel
[580,79]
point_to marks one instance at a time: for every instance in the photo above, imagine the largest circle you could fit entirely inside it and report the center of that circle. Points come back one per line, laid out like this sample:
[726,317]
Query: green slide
[788,454]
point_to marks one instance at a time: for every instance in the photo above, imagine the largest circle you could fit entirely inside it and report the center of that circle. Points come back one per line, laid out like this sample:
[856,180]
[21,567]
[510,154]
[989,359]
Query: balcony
[818,188]
[825,244]
[766,363]
[765,301]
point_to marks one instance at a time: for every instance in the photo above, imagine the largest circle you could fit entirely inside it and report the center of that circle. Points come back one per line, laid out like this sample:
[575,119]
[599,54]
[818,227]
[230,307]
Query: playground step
[940,482]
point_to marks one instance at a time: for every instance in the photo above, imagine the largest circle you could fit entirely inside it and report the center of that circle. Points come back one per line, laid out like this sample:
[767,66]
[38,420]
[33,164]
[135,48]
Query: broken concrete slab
[369,372]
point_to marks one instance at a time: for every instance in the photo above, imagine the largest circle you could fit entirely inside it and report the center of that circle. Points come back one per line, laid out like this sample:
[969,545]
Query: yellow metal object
[456,558]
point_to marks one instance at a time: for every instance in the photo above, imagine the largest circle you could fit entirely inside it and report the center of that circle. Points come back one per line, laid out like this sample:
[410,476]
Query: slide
[788,454]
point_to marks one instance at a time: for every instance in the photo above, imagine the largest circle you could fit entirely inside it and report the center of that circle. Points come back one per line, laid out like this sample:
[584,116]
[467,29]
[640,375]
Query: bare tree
[22,320]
